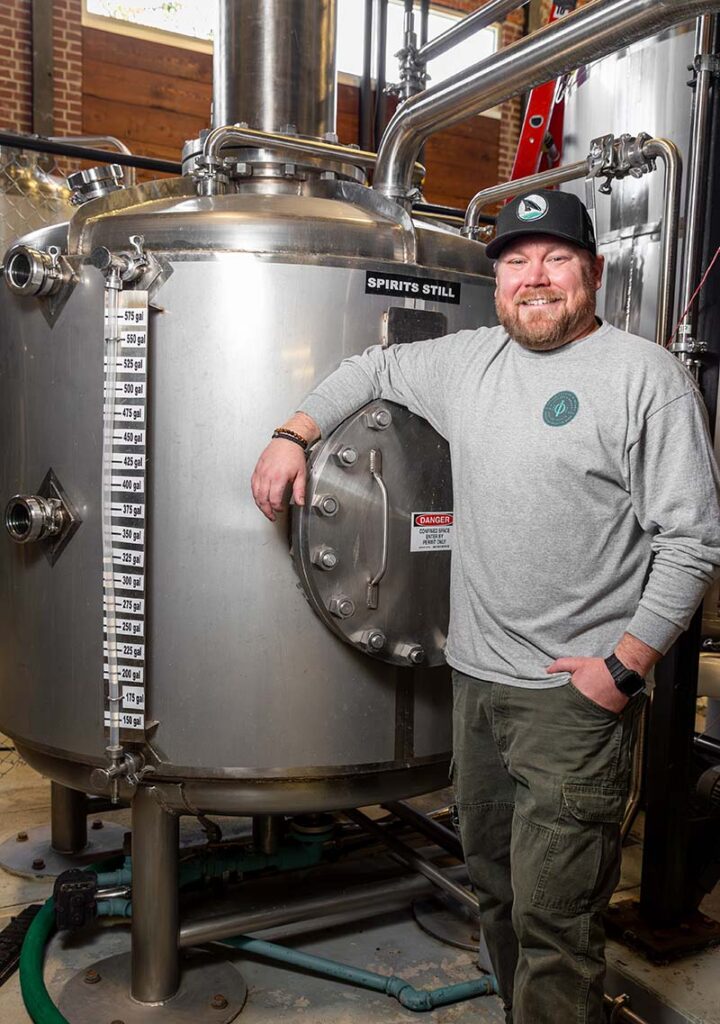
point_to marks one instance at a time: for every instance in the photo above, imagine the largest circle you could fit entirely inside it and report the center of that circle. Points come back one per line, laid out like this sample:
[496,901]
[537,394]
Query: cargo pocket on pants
[581,863]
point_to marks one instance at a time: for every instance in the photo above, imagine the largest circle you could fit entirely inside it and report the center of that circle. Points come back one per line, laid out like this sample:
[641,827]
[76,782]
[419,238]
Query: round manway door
[372,543]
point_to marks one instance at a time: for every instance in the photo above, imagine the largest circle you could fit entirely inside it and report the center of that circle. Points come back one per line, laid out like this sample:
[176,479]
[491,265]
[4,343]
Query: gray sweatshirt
[585,490]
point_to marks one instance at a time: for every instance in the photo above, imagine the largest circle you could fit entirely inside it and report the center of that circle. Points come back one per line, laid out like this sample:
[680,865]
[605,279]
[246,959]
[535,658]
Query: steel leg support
[155,974]
[68,819]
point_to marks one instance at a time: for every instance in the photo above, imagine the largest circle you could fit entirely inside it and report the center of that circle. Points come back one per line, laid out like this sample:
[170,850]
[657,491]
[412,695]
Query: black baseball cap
[544,213]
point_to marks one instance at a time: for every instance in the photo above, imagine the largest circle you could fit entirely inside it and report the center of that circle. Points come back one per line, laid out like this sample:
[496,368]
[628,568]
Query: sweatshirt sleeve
[417,375]
[675,490]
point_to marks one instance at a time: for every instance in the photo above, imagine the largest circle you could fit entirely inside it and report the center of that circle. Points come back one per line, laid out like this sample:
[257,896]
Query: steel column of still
[588,34]
[274,65]
[155,923]
[697,175]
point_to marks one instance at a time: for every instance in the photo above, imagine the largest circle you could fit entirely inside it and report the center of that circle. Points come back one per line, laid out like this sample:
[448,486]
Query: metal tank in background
[30,196]
[676,70]
[679,101]
[599,99]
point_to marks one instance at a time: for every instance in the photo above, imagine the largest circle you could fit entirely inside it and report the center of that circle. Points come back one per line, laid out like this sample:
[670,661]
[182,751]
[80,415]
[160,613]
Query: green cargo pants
[541,779]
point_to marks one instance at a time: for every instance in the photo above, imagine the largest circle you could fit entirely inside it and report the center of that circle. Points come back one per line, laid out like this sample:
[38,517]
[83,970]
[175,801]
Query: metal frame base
[19,855]
[210,991]
[696,932]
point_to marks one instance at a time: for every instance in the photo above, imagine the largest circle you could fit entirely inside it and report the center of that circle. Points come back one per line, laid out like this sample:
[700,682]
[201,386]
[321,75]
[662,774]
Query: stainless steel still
[252,704]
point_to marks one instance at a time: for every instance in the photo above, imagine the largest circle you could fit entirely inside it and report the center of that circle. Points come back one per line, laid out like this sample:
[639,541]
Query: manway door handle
[376,471]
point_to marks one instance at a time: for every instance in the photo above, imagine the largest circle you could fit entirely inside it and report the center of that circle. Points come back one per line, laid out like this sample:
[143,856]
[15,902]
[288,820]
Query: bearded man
[588,530]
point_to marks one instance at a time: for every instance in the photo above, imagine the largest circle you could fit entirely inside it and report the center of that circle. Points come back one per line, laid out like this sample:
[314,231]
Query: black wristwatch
[628,682]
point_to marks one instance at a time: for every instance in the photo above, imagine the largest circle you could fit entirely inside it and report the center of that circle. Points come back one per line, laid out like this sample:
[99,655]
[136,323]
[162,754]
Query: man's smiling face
[545,291]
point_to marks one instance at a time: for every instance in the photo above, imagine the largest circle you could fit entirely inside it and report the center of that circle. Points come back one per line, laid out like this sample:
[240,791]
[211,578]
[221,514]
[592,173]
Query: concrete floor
[687,992]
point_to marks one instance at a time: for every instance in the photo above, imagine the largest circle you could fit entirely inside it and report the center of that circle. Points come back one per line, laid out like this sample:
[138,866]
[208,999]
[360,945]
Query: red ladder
[540,143]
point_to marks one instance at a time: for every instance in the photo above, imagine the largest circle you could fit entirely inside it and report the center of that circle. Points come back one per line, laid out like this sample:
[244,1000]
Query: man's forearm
[636,655]
[301,423]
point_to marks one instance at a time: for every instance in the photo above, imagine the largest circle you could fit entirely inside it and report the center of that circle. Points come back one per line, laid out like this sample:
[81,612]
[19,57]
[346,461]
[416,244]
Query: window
[350,41]
[194,20]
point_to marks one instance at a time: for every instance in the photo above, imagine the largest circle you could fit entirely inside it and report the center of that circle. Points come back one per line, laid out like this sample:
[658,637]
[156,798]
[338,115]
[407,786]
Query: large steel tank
[600,98]
[245,701]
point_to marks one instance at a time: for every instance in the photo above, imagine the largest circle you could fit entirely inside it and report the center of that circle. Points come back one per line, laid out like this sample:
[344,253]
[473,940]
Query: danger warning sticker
[431,531]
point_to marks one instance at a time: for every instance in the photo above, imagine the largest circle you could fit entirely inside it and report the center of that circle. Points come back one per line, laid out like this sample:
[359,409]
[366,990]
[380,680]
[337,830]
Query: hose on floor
[36,997]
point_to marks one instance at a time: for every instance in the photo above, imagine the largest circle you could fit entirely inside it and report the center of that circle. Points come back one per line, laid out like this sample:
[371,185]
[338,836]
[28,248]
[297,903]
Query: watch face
[631,685]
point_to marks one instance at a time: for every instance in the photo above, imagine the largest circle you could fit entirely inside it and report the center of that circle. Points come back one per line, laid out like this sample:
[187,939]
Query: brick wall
[510,119]
[16,66]
[67,53]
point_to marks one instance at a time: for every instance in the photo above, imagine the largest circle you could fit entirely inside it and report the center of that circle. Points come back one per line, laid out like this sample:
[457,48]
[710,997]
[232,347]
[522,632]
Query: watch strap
[627,681]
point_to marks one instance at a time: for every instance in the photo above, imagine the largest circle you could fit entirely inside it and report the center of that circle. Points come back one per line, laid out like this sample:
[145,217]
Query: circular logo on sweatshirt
[561,408]
[532,208]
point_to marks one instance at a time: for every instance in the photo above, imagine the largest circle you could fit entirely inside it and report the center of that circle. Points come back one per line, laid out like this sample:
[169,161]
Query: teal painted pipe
[122,876]
[297,852]
[117,906]
[407,995]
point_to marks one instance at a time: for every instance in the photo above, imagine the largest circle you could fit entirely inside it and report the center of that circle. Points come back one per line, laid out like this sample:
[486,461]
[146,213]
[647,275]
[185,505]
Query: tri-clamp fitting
[615,158]
[30,271]
[29,518]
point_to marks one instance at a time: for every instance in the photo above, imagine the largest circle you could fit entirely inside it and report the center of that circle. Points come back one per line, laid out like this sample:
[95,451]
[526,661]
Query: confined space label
[402,286]
[431,531]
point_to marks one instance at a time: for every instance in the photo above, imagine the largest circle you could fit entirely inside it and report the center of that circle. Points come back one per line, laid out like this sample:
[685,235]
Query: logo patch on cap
[532,208]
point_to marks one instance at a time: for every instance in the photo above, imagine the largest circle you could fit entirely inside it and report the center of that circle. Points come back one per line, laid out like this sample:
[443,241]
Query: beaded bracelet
[290,435]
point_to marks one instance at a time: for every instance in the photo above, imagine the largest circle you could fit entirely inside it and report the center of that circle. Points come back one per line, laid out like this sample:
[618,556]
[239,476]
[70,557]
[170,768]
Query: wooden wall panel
[154,97]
